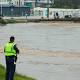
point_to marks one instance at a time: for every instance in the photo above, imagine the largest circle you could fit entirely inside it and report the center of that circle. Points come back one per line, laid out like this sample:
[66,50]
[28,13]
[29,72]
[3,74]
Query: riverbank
[16,77]
[40,20]
[8,20]
[47,65]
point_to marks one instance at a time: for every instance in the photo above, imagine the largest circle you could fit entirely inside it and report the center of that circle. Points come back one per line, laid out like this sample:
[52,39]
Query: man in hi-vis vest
[11,51]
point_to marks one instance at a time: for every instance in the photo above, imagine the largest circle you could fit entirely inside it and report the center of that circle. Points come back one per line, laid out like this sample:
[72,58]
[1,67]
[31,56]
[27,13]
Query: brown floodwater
[51,50]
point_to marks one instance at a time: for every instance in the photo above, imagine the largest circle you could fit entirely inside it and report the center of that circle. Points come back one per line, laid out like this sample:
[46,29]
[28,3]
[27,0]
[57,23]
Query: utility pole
[48,9]
[19,6]
[53,2]
[35,3]
[1,8]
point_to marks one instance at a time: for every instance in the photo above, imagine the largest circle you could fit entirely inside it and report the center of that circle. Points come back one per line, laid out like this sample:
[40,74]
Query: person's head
[12,38]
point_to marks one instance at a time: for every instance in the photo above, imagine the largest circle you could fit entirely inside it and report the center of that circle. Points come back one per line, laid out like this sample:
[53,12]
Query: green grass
[15,21]
[16,77]
[2,21]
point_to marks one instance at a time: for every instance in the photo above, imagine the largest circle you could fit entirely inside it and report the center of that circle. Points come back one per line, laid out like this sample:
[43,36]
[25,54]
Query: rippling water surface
[42,36]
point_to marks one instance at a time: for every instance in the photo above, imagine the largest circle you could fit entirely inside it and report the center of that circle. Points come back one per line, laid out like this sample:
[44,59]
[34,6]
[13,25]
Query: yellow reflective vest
[9,49]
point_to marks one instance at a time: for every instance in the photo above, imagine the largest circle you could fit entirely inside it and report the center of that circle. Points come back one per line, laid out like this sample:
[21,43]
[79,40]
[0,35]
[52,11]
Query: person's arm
[17,50]
[4,49]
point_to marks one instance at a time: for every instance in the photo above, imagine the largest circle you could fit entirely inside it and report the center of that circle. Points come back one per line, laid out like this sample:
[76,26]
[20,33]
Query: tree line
[66,4]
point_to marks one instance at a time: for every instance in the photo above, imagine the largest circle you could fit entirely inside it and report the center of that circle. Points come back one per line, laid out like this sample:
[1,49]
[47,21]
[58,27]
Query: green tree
[66,3]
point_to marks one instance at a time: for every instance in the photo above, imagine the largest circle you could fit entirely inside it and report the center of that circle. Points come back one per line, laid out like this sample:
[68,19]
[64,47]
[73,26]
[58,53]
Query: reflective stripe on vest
[9,49]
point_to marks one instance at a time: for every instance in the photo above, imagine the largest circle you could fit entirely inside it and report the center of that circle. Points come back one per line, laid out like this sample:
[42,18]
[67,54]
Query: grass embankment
[8,21]
[15,21]
[16,77]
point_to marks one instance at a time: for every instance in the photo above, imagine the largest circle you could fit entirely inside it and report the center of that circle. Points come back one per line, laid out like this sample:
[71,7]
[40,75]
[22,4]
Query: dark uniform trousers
[10,67]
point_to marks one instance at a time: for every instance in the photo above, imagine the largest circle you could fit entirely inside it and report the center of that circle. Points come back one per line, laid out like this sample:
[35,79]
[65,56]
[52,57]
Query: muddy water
[45,37]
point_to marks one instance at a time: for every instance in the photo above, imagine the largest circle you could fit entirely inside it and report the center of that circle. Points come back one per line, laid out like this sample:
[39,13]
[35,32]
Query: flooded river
[43,36]
[49,51]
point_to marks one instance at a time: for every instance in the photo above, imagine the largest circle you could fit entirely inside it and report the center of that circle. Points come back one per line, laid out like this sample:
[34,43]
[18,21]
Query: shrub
[2,21]
[11,20]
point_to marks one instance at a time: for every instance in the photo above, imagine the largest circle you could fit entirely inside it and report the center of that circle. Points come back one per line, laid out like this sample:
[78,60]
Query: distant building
[44,3]
[57,13]
[14,2]
[29,3]
[4,2]
[37,3]
[18,2]
[13,8]
[14,11]
[16,6]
